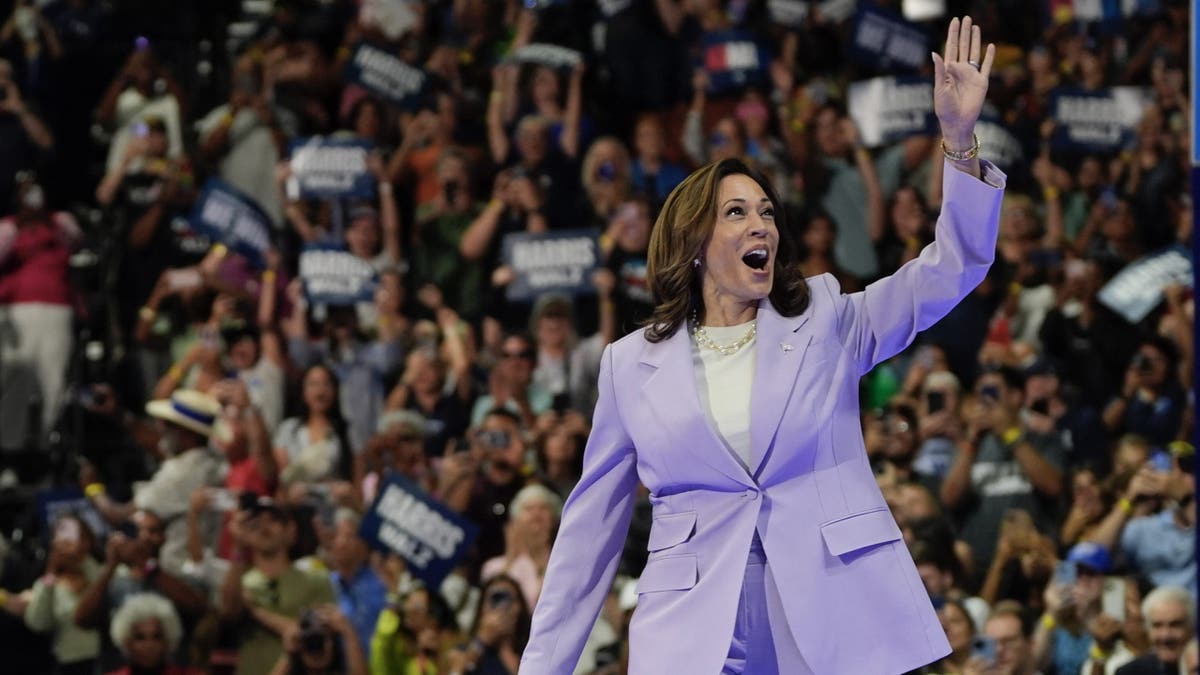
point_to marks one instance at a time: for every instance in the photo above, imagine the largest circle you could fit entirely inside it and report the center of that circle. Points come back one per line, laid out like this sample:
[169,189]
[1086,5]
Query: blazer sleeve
[591,535]
[876,323]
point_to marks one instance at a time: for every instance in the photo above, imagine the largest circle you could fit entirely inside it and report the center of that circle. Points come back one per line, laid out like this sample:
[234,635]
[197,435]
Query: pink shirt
[522,569]
[34,260]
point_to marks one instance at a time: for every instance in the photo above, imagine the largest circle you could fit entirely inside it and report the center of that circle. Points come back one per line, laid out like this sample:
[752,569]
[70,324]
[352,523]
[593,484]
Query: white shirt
[724,383]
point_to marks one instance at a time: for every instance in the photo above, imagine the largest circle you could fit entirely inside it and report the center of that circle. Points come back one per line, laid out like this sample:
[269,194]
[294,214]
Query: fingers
[964,39]
[939,68]
[988,57]
[952,41]
[976,42]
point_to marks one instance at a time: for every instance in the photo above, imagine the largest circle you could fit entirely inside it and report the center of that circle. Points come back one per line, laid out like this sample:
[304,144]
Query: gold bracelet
[94,490]
[220,250]
[268,277]
[965,155]
[175,373]
[1048,621]
[1125,505]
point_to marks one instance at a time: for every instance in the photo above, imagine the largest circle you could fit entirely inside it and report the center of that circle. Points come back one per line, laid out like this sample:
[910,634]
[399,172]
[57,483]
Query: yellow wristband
[1049,622]
[147,313]
[1098,654]
[1012,435]
[268,277]
[1125,505]
[220,250]
[94,490]
[1050,193]
[175,373]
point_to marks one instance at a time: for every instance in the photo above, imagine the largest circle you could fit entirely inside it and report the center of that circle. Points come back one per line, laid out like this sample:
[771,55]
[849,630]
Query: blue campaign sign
[430,537]
[889,109]
[331,167]
[225,214]
[386,75]
[1101,120]
[733,60]
[1138,288]
[887,42]
[334,276]
[54,503]
[998,144]
[552,56]
[561,262]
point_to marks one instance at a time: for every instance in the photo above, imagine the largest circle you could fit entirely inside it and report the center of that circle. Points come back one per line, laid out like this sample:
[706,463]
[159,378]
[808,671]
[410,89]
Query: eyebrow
[743,200]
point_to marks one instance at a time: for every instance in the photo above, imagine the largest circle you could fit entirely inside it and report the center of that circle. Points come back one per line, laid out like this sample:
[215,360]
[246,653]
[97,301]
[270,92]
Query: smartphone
[181,279]
[990,393]
[1065,573]
[1040,406]
[983,647]
[223,500]
[1162,461]
[935,401]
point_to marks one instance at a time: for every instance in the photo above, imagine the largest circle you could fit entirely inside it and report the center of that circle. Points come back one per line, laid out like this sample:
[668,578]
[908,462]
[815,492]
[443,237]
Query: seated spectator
[532,522]
[263,591]
[1006,629]
[147,631]
[1170,613]
[361,595]
[51,606]
[322,642]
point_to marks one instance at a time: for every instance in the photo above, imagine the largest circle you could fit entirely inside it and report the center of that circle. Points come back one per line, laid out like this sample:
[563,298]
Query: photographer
[499,634]
[1152,399]
[322,643]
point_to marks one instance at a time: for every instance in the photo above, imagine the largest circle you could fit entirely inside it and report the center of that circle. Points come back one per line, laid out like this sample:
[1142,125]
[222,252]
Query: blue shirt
[669,175]
[1162,550]
[361,599]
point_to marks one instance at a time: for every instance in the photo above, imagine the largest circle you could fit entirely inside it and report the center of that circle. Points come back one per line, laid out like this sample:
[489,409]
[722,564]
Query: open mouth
[756,258]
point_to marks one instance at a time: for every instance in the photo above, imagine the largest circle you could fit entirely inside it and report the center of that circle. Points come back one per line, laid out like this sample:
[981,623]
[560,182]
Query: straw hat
[189,409]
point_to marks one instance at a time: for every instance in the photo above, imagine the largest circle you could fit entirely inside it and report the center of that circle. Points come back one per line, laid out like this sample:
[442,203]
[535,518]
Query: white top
[724,383]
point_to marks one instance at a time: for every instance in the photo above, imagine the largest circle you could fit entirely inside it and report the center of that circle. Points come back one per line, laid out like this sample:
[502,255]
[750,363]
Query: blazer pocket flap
[666,531]
[673,573]
[860,530]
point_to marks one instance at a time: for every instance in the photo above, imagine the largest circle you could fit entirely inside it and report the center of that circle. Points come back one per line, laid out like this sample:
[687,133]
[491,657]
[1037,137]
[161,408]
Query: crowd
[221,436]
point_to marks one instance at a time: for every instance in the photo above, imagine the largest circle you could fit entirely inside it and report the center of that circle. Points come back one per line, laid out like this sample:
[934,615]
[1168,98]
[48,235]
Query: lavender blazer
[851,593]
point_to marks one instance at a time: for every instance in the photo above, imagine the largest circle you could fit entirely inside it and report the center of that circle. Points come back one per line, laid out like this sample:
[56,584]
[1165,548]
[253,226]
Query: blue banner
[1103,120]
[561,262]
[386,76]
[890,109]
[430,537]
[1138,288]
[998,145]
[887,42]
[53,503]
[789,13]
[549,55]
[733,60]
[333,276]
[329,167]
[224,214]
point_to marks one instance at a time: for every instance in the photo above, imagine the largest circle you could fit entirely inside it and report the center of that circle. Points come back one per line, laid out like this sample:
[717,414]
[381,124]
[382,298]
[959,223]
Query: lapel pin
[785,346]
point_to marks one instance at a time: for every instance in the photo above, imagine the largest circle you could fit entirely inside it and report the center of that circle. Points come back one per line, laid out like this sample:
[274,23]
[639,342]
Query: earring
[696,263]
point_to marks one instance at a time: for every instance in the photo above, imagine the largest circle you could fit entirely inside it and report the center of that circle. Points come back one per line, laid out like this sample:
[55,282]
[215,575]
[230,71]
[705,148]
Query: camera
[936,401]
[1141,363]
[314,634]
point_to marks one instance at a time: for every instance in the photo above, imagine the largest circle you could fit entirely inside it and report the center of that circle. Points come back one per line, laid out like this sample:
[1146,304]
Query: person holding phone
[532,520]
[50,605]
[1152,399]
[1001,464]
[499,633]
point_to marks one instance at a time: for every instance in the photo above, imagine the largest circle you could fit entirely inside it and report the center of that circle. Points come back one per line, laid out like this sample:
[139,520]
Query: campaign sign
[551,56]
[733,60]
[789,13]
[1138,288]
[999,145]
[224,214]
[886,42]
[54,503]
[386,75]
[560,261]
[405,520]
[889,109]
[333,276]
[327,167]
[1103,120]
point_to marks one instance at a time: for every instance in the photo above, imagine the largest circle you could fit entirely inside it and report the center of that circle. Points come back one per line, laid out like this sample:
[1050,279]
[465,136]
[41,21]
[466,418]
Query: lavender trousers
[762,642]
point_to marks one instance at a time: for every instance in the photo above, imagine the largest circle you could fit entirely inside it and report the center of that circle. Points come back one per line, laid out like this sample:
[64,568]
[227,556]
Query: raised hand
[960,82]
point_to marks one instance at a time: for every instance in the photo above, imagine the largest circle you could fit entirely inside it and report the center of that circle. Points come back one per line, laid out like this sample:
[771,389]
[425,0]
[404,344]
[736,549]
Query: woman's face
[634,233]
[740,254]
[906,213]
[537,518]
[647,139]
[957,627]
[362,237]
[553,332]
[318,390]
[819,236]
[390,293]
[71,542]
[1084,487]
[147,644]
[367,124]
[545,86]
[423,372]
[560,449]
[726,141]
[1129,459]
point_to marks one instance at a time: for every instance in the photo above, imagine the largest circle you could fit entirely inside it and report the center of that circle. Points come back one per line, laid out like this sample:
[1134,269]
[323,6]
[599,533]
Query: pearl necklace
[705,341]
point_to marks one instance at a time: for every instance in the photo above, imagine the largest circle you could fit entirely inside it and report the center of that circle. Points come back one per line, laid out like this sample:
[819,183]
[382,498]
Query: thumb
[939,67]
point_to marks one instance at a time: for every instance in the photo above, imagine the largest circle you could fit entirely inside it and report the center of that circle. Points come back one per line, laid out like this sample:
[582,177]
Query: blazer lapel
[781,346]
[671,392]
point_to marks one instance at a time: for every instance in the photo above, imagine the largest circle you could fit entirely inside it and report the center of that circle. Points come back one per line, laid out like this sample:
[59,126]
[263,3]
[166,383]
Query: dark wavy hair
[685,225]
